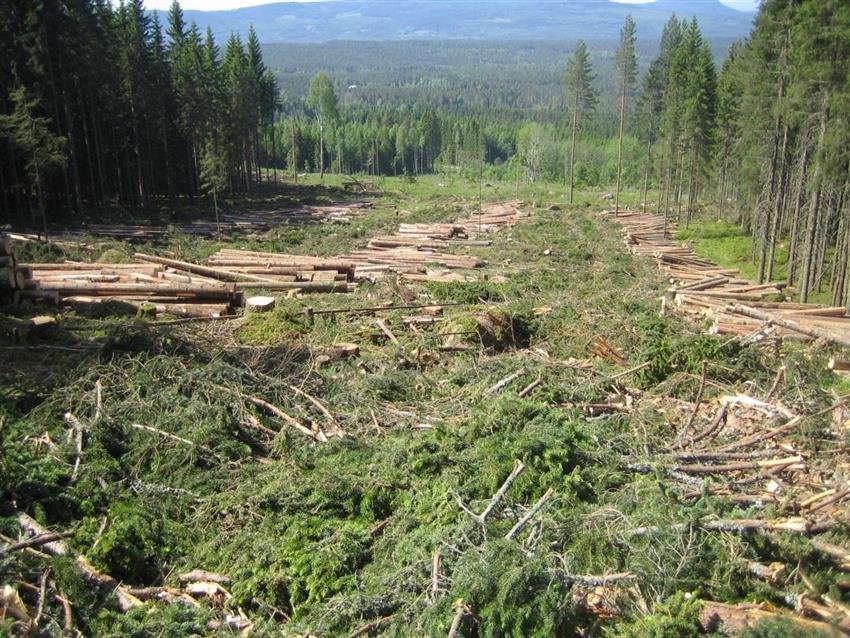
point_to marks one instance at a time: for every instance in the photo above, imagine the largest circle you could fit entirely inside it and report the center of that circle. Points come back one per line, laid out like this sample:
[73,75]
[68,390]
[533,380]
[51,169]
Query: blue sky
[211,5]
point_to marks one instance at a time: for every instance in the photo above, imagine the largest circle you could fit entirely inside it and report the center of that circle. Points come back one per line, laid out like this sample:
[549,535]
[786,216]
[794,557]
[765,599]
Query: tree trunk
[823,240]
[647,165]
[620,147]
[93,195]
[692,187]
[321,150]
[573,149]
[778,207]
[796,223]
[680,176]
[811,233]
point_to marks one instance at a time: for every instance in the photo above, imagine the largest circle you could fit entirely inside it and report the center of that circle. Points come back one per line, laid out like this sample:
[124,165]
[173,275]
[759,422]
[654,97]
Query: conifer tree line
[103,104]
[783,144]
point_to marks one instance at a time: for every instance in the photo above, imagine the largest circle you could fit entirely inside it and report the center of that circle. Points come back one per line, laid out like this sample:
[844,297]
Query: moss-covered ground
[323,539]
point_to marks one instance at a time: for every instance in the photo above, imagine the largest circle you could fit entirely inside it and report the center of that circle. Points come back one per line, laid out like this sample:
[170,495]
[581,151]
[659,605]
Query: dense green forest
[103,105]
[106,106]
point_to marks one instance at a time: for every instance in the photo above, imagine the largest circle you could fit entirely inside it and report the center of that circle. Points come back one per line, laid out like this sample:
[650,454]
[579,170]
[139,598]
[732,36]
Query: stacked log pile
[234,223]
[702,289]
[164,289]
[416,246]
[13,275]
[179,287]
[279,271]
[420,252]
[217,287]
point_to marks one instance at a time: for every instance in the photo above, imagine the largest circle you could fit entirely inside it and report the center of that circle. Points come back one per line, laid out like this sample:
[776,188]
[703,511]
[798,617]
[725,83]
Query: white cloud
[743,5]
[223,5]
[212,5]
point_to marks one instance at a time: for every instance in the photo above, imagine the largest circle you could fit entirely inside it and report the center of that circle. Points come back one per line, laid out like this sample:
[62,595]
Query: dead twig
[521,523]
[497,498]
[283,416]
[74,422]
[179,439]
[502,383]
[462,610]
[530,387]
[626,373]
[38,541]
[435,574]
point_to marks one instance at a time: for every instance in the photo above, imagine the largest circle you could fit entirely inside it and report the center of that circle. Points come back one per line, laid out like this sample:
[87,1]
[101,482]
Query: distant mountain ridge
[564,20]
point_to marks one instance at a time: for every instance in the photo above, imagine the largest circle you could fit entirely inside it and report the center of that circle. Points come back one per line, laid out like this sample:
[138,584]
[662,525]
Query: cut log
[340,351]
[259,304]
[811,331]
[206,271]
[732,620]
[839,365]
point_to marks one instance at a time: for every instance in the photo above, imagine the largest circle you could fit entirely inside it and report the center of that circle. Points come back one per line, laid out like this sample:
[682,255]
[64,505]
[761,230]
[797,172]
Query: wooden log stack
[415,247]
[412,251]
[735,306]
[235,223]
[13,276]
[179,287]
[218,286]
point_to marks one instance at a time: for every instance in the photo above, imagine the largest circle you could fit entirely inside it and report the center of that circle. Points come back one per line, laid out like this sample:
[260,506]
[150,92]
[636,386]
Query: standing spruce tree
[322,99]
[214,173]
[626,76]
[30,135]
[581,97]
[652,99]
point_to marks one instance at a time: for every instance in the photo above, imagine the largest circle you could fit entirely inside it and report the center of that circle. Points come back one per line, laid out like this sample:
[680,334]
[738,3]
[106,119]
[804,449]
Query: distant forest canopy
[105,106]
[108,105]
[481,20]
[526,75]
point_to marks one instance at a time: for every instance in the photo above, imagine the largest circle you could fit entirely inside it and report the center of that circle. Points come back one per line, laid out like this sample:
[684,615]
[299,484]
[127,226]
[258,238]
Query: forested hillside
[465,19]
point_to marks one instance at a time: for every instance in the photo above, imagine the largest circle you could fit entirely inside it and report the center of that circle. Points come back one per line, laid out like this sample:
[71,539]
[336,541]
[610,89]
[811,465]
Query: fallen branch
[625,373]
[179,439]
[74,422]
[42,594]
[841,555]
[126,601]
[369,627]
[499,385]
[462,610]
[38,541]
[333,311]
[598,581]
[530,387]
[697,402]
[384,328]
[794,423]
[497,498]
[319,406]
[435,574]
[283,416]
[521,523]
[737,467]
[732,620]
[780,375]
[718,421]
[809,331]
